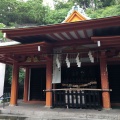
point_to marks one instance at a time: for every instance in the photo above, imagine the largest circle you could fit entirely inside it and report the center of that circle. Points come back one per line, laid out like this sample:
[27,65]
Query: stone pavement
[27,111]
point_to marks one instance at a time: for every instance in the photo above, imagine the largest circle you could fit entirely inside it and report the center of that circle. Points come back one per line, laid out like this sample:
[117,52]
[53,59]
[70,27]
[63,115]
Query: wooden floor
[36,102]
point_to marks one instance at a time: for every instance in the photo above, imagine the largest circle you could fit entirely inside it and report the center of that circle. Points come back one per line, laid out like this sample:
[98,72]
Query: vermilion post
[104,81]
[26,85]
[14,86]
[49,66]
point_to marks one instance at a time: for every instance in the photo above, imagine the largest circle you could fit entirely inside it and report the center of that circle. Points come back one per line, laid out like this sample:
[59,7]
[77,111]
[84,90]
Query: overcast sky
[48,2]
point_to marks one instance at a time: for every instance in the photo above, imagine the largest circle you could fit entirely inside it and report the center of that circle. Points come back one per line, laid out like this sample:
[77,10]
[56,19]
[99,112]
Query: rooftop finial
[76,7]
[75,4]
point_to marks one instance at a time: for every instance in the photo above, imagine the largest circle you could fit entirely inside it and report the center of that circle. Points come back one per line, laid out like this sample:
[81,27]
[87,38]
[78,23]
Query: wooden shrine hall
[72,65]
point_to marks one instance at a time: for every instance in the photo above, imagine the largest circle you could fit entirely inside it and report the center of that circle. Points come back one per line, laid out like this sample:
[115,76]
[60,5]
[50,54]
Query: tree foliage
[8,75]
[14,12]
[19,12]
[104,12]
[1,34]
[95,4]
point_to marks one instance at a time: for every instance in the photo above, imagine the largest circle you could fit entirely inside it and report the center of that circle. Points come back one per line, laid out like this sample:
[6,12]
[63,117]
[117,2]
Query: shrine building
[73,64]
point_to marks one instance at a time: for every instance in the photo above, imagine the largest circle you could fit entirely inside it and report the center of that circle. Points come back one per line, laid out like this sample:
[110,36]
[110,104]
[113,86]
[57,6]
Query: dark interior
[114,82]
[75,75]
[83,75]
[111,31]
[37,83]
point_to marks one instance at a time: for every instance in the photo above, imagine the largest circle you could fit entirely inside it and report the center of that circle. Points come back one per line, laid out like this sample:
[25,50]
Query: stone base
[13,105]
[48,106]
[107,108]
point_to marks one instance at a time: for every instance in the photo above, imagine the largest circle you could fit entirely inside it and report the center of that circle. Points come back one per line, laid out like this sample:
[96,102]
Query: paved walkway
[39,112]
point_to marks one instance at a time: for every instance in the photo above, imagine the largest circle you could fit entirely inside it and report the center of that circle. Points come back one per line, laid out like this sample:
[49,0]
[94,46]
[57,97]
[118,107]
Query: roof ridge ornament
[77,8]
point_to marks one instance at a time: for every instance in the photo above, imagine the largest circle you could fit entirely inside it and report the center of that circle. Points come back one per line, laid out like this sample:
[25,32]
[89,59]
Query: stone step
[55,115]
[15,117]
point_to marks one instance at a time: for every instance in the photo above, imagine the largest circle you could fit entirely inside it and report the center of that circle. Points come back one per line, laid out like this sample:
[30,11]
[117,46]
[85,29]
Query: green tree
[96,4]
[8,75]
[104,12]
[7,11]
[61,9]
[1,34]
[19,12]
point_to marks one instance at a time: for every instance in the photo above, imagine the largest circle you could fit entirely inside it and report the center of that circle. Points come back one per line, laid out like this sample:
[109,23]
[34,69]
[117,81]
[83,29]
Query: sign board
[2,77]
[56,67]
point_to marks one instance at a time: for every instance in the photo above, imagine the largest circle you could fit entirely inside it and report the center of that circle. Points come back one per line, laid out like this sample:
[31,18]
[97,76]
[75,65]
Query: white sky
[48,2]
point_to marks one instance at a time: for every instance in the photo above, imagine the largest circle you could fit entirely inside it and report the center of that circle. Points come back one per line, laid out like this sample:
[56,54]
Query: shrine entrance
[37,84]
[81,75]
[92,43]
[114,82]
[75,78]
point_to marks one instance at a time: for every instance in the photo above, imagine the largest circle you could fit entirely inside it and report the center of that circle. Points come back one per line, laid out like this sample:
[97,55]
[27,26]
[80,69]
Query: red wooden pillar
[26,85]
[49,66]
[14,86]
[104,81]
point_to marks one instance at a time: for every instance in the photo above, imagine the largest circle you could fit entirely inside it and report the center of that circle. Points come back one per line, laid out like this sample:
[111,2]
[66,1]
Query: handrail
[1,96]
[4,98]
[78,89]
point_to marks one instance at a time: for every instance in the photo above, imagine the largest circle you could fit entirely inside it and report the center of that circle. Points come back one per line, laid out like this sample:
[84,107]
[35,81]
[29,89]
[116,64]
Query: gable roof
[82,34]
[76,14]
[66,31]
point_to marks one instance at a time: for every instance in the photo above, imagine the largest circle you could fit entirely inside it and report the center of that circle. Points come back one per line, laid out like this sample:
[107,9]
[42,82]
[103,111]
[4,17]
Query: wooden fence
[77,98]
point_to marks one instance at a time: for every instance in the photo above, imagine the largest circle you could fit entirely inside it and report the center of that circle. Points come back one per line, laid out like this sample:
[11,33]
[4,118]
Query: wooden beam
[5,62]
[85,33]
[24,46]
[105,47]
[26,84]
[104,38]
[21,50]
[76,32]
[54,37]
[104,81]
[113,59]
[71,37]
[88,24]
[32,63]
[110,43]
[62,36]
[49,69]
[72,42]
[14,85]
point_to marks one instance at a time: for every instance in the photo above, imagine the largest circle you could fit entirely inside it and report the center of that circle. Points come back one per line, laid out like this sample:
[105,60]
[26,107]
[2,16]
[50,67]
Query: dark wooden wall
[37,83]
[82,75]
[114,82]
